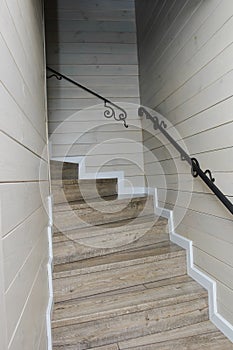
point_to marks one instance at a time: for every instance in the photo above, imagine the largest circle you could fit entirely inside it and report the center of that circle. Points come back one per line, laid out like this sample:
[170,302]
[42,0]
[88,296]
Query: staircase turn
[119,283]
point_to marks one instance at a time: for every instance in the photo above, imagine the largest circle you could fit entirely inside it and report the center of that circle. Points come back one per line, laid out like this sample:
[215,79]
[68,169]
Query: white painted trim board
[50,278]
[204,280]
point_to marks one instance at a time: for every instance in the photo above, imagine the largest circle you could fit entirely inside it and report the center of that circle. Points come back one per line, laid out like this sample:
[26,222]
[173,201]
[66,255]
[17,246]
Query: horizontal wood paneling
[74,104]
[24,186]
[106,148]
[37,295]
[98,5]
[201,202]
[99,70]
[30,194]
[22,164]
[22,46]
[3,328]
[187,76]
[95,81]
[108,90]
[94,114]
[91,59]
[221,272]
[225,296]
[93,48]
[13,81]
[83,127]
[23,130]
[92,26]
[43,338]
[208,159]
[207,224]
[18,292]
[209,48]
[95,44]
[92,14]
[92,37]
[19,243]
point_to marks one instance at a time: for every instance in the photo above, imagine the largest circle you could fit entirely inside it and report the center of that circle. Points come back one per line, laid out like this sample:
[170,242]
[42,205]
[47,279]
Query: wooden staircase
[119,283]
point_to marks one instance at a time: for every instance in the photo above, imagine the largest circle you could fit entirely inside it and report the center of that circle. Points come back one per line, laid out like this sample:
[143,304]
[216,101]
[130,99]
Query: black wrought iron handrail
[119,115]
[196,170]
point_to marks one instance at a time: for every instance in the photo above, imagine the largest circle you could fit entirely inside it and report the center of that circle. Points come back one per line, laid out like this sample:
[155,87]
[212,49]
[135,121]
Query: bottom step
[151,320]
[203,335]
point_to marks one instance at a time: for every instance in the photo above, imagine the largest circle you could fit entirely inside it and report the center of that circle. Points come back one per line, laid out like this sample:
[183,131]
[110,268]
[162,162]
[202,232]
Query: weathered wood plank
[188,337]
[100,307]
[68,217]
[70,191]
[71,287]
[125,327]
[74,248]
[156,252]
[90,37]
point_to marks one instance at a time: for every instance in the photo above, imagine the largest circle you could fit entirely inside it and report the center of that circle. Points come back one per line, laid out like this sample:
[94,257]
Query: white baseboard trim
[50,279]
[203,279]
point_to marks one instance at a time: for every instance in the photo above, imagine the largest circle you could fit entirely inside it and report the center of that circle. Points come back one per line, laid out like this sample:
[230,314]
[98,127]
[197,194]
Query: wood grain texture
[76,215]
[135,295]
[108,238]
[201,335]
[70,191]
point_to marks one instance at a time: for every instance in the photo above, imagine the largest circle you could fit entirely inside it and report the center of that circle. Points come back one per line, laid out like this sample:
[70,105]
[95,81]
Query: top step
[63,170]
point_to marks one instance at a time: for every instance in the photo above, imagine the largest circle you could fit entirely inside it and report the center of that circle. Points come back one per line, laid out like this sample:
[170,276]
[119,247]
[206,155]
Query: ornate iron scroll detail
[196,169]
[208,173]
[119,115]
[112,109]
[58,77]
[155,120]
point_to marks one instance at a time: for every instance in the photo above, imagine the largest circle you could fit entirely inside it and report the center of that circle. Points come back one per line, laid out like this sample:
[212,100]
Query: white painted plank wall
[24,185]
[94,43]
[186,72]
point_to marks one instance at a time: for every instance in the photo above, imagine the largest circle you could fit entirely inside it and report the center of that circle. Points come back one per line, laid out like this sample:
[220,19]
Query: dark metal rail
[119,115]
[196,170]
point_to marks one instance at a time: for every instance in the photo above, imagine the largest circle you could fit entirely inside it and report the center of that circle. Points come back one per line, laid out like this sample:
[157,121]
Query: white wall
[186,74]
[23,177]
[94,42]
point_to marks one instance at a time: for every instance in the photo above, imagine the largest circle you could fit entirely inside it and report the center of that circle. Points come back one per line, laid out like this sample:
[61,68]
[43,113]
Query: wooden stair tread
[102,281]
[78,190]
[86,243]
[162,250]
[102,306]
[112,227]
[74,215]
[63,170]
[67,182]
[130,325]
[77,205]
[202,335]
